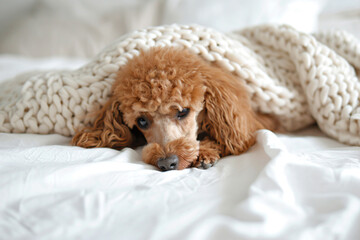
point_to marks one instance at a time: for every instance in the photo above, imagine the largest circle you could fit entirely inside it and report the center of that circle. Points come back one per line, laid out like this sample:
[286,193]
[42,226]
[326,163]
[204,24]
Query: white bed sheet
[288,186]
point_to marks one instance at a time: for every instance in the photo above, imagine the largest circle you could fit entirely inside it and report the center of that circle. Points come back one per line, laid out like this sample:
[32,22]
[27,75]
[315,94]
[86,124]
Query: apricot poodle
[188,112]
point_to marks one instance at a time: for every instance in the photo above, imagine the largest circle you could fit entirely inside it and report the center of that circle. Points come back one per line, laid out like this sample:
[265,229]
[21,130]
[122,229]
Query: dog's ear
[229,118]
[108,130]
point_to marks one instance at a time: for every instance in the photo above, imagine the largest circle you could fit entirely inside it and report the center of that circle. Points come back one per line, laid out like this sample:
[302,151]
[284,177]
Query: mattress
[300,185]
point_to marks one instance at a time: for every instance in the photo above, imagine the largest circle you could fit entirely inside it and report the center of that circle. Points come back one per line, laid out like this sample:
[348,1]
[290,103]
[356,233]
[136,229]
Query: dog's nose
[168,163]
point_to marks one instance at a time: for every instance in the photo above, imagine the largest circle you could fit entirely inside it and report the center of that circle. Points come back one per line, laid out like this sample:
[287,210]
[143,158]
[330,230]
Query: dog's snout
[168,163]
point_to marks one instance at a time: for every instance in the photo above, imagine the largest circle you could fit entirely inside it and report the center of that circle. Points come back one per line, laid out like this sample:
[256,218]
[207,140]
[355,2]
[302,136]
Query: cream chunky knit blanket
[297,77]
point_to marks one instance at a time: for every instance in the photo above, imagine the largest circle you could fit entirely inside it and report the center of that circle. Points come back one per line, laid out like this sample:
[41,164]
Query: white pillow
[82,28]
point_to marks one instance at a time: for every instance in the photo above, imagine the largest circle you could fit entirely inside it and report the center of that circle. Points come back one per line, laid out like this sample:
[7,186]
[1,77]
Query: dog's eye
[182,114]
[143,122]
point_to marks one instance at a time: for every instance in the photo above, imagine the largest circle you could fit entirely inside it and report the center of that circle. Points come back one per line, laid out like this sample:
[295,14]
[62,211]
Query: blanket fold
[299,78]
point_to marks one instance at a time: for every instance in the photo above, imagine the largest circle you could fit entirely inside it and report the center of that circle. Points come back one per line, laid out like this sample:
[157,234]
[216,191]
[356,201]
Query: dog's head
[168,96]
[161,93]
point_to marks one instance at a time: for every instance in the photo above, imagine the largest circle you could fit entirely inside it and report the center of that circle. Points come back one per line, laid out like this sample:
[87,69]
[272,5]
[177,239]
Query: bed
[299,185]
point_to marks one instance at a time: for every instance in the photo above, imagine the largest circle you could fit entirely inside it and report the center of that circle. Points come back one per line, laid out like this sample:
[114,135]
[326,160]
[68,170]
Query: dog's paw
[208,156]
[204,165]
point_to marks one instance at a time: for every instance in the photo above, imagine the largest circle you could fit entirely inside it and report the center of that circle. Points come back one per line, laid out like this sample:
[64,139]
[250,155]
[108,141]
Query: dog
[186,111]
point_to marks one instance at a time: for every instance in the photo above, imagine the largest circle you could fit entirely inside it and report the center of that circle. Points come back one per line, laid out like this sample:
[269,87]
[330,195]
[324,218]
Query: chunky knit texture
[299,78]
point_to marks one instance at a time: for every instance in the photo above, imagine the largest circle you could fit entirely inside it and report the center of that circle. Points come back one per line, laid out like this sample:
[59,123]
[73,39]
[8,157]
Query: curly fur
[157,84]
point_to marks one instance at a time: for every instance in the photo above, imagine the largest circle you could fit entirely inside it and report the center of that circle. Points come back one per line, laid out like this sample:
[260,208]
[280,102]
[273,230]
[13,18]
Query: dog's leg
[209,154]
